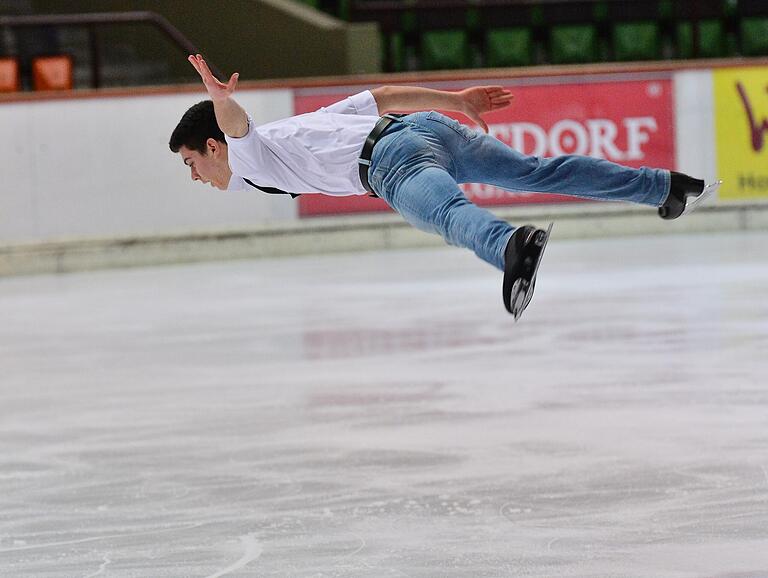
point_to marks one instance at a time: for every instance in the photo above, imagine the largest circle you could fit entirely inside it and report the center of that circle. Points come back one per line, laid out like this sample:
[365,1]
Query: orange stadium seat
[9,74]
[52,72]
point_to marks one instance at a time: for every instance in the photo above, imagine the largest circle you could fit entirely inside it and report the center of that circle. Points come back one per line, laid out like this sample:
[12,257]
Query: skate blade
[520,291]
[693,202]
[523,297]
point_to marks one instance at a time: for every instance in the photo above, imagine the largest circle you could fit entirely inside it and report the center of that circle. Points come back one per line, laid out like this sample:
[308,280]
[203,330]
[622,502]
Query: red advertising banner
[625,121]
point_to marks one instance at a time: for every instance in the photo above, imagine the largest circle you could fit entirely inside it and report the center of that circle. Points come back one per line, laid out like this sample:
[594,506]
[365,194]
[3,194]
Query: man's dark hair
[196,126]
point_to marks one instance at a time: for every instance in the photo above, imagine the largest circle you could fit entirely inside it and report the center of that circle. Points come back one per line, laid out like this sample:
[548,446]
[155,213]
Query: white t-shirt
[315,152]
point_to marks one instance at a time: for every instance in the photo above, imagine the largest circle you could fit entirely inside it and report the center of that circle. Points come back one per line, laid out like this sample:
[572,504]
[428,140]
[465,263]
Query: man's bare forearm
[412,98]
[231,117]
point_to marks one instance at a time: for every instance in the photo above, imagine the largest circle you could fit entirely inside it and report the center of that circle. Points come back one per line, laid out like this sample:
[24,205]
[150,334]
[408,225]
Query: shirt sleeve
[361,103]
[246,153]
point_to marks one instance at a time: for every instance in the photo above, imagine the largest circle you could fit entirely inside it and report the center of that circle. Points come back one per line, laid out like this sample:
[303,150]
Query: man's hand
[230,116]
[216,90]
[479,100]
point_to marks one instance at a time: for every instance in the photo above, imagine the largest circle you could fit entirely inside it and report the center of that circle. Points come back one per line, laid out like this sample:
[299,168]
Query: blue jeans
[418,162]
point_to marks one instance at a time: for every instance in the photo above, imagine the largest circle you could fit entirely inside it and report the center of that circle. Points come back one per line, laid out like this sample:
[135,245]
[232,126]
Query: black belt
[365,157]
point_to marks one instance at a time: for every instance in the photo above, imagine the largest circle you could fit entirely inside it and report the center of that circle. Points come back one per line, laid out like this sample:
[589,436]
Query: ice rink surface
[379,414]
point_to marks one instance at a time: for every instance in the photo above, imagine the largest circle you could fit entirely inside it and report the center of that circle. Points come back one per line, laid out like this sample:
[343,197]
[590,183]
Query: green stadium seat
[395,45]
[474,27]
[508,47]
[711,39]
[474,19]
[754,36]
[600,11]
[636,41]
[343,8]
[398,43]
[573,43]
[443,49]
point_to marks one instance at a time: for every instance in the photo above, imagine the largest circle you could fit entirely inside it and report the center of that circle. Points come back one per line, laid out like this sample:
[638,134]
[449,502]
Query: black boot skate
[521,262]
[684,194]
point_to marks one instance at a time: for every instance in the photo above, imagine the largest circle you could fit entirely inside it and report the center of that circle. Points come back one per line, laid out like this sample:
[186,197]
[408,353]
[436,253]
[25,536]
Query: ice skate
[521,263]
[685,194]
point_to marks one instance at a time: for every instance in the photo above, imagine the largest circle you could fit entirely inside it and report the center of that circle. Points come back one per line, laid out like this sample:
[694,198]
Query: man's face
[209,168]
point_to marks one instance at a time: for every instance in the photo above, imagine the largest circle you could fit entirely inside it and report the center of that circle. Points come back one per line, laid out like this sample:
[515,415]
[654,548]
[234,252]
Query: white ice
[379,414]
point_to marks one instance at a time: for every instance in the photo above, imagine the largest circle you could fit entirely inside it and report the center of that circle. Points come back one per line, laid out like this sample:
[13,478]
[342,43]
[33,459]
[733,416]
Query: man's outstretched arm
[472,102]
[230,116]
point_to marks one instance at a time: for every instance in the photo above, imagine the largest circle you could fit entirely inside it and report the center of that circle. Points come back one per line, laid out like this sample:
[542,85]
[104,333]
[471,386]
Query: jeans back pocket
[462,130]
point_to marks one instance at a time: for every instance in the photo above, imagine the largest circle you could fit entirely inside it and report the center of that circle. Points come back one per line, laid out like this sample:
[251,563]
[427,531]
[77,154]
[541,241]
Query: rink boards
[95,165]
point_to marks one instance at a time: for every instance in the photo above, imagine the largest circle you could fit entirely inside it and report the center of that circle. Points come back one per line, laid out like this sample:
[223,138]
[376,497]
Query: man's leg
[412,172]
[481,158]
[430,199]
[485,159]
[488,160]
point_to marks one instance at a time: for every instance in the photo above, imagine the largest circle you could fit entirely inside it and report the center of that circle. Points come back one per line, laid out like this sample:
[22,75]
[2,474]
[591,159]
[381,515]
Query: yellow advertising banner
[741,123]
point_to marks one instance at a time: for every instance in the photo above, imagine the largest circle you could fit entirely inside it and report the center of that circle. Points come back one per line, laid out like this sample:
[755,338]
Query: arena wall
[88,180]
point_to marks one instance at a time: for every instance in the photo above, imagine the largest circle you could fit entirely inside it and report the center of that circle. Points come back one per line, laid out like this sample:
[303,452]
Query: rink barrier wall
[88,180]
[360,233]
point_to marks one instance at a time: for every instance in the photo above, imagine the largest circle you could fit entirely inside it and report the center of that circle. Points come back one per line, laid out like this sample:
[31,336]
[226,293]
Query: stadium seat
[9,75]
[394,52]
[508,47]
[711,39]
[754,36]
[52,72]
[636,41]
[407,37]
[342,9]
[573,43]
[398,29]
[442,49]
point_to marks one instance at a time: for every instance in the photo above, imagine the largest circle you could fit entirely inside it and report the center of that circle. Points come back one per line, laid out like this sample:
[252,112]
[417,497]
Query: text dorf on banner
[741,120]
[629,122]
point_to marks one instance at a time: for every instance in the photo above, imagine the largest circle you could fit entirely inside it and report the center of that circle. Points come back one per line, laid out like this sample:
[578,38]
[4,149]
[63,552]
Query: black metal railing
[92,22]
